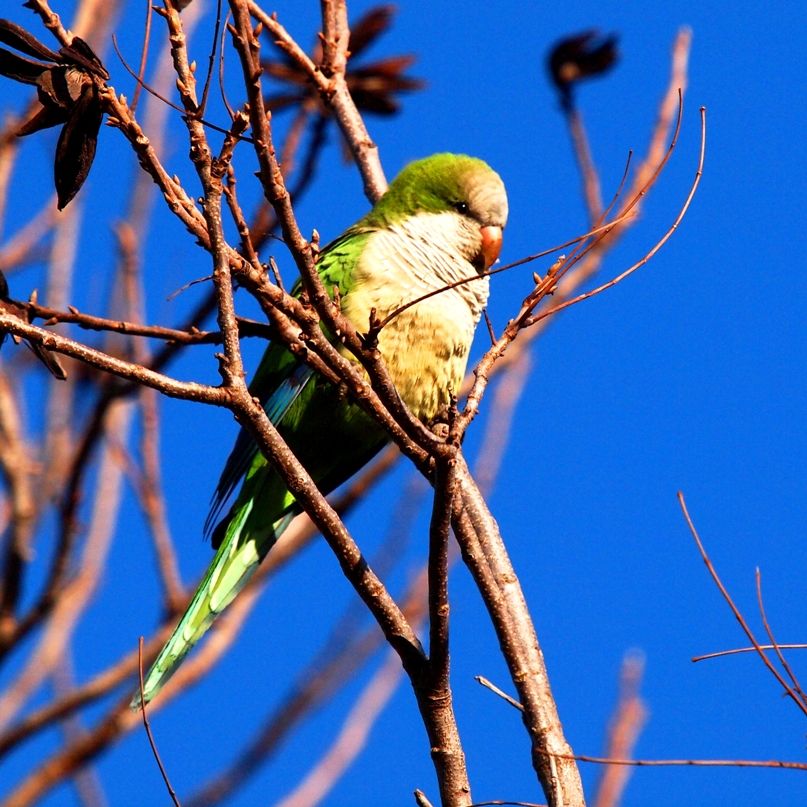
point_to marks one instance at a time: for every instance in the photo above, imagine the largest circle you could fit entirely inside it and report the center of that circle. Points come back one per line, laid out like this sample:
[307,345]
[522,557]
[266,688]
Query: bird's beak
[491,245]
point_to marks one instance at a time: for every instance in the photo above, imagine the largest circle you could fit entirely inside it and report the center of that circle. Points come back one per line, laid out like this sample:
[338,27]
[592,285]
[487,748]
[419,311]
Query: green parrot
[441,220]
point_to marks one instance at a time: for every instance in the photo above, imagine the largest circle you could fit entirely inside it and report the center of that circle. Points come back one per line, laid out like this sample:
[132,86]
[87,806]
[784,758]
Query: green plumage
[421,233]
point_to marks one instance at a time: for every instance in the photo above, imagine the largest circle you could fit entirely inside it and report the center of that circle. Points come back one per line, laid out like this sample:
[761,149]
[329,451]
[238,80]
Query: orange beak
[491,245]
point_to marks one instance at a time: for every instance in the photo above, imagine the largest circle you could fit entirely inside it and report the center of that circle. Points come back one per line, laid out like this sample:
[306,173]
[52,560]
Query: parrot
[440,221]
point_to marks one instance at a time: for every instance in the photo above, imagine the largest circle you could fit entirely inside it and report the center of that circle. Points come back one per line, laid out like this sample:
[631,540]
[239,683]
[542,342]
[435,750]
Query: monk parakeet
[441,220]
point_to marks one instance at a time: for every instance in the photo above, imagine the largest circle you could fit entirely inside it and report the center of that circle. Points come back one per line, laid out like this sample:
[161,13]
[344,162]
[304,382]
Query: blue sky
[689,375]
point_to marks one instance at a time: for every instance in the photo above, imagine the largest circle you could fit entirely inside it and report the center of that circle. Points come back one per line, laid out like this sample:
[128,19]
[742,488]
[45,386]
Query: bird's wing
[284,391]
[281,377]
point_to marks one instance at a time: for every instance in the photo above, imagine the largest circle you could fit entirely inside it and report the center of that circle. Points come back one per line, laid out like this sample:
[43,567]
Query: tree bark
[486,557]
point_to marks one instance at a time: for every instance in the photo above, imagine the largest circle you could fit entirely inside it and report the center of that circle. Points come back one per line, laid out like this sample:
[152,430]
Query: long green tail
[234,563]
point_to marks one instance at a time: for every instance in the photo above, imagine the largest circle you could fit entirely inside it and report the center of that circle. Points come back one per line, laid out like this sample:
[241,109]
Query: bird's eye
[461,207]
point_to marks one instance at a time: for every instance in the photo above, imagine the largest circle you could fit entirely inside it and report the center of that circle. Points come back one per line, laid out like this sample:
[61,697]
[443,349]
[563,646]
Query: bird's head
[457,184]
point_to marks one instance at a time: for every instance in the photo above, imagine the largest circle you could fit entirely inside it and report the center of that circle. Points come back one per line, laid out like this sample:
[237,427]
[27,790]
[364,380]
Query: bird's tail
[234,563]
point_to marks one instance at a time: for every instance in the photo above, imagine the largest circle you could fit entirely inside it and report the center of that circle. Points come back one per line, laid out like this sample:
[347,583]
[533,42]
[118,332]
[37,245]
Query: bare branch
[693,763]
[738,650]
[648,255]
[187,390]
[794,689]
[333,88]
[623,731]
[736,611]
[18,472]
[352,738]
[76,595]
[486,557]
[147,727]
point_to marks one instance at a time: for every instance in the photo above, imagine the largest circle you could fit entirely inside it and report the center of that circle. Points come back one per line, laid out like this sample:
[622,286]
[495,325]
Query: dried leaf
[283,101]
[19,39]
[285,71]
[66,88]
[50,115]
[20,69]
[369,27]
[76,147]
[46,357]
[376,103]
[391,67]
[81,54]
[580,57]
[50,360]
[373,86]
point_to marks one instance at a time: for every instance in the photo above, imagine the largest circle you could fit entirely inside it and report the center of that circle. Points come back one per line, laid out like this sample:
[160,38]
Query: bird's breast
[425,346]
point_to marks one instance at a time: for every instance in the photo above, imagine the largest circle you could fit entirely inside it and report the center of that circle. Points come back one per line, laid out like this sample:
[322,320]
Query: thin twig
[650,253]
[421,800]
[144,50]
[737,650]
[480,679]
[506,802]
[147,727]
[692,763]
[795,689]
[729,763]
[549,284]
[736,611]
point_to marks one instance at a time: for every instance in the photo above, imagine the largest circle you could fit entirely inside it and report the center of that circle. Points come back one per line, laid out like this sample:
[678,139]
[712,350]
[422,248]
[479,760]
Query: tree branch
[486,557]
